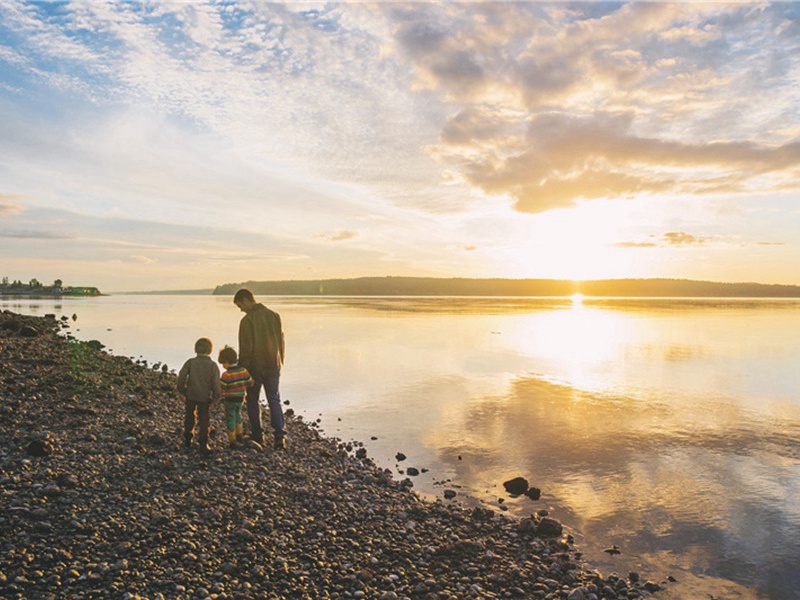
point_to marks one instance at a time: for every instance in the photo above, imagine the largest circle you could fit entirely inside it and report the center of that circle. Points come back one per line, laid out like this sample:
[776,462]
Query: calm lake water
[670,428]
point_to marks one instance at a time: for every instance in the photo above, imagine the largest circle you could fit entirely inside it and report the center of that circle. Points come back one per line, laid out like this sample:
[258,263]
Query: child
[198,383]
[233,383]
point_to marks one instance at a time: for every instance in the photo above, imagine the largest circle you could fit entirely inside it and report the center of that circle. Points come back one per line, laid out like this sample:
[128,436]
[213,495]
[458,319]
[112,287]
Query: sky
[182,145]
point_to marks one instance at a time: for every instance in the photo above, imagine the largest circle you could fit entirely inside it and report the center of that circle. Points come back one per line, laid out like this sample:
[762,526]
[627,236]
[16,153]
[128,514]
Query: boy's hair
[227,355]
[203,346]
[243,294]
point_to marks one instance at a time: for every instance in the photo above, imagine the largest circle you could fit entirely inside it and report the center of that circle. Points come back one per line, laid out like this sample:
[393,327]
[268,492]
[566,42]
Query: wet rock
[28,331]
[549,527]
[533,493]
[516,486]
[652,587]
[400,457]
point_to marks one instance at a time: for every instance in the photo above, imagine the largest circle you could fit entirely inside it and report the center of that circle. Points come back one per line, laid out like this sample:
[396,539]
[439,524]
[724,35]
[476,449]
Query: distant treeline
[36,289]
[430,286]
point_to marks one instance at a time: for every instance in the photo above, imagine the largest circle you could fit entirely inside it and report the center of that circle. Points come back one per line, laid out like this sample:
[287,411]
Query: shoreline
[99,501]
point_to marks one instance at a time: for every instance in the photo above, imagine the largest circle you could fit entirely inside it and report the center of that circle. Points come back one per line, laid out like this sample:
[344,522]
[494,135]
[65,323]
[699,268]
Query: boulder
[534,493]
[516,486]
[549,527]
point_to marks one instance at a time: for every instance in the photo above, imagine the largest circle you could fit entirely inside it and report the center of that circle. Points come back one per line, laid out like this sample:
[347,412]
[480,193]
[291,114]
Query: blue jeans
[270,383]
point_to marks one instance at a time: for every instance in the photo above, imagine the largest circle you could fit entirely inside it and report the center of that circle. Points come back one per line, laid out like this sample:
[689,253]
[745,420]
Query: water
[670,428]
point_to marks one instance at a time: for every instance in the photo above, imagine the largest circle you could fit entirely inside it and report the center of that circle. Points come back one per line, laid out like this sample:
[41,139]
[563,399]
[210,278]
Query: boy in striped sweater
[233,383]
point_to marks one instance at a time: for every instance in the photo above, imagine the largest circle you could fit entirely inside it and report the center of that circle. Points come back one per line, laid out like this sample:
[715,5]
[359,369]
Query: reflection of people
[198,383]
[233,385]
[261,351]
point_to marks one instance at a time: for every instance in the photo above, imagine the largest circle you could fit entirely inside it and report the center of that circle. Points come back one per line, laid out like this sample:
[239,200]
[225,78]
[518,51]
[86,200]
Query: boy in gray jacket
[198,383]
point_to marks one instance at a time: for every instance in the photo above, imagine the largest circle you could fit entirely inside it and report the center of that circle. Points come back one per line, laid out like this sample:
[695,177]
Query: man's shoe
[280,444]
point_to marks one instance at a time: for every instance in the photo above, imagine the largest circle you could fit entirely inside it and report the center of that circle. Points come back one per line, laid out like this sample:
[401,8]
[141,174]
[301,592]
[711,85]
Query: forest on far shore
[432,286]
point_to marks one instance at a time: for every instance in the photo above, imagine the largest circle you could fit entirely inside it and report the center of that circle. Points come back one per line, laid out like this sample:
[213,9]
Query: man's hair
[227,355]
[243,294]
[203,346]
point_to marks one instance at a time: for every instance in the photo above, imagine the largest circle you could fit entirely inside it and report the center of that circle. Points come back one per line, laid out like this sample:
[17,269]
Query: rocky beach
[99,500]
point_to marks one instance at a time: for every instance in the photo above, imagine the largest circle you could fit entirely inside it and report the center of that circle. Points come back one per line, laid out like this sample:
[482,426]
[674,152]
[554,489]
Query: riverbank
[100,501]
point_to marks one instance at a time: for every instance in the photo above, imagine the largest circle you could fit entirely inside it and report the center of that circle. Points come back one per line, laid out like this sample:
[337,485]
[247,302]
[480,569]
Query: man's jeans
[270,383]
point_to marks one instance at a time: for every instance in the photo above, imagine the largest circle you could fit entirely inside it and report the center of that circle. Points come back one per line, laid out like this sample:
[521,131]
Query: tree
[57,283]
[34,283]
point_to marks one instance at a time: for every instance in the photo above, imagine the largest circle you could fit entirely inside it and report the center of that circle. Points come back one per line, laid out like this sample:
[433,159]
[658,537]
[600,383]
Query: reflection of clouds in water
[672,352]
[697,478]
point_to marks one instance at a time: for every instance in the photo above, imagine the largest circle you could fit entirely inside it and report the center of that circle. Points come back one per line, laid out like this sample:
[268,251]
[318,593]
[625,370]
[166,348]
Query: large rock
[516,486]
[534,493]
[549,527]
[41,447]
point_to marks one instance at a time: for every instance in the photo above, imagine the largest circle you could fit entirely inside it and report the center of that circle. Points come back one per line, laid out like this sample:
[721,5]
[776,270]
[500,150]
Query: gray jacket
[198,379]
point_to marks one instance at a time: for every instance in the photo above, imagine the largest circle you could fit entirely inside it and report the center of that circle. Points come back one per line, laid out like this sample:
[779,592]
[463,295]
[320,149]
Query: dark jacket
[261,343]
[198,379]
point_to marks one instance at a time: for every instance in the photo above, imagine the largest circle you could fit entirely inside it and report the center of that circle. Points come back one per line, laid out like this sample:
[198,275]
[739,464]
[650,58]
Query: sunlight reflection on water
[670,428]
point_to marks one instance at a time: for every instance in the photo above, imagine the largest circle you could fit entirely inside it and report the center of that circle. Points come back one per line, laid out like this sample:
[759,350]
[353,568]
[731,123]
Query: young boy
[233,384]
[198,383]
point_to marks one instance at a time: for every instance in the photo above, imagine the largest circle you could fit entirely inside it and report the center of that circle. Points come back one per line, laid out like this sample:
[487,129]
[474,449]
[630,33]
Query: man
[261,351]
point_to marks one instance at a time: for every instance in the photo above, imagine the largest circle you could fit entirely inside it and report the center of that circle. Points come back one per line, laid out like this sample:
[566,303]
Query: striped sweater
[234,382]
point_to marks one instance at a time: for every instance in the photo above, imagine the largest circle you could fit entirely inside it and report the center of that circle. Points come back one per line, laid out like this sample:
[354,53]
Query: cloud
[339,236]
[566,158]
[675,239]
[557,104]
[636,245]
[9,209]
[681,238]
[33,235]
[9,204]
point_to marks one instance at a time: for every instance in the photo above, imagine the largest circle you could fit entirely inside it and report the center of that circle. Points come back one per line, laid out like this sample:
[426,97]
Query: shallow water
[670,428]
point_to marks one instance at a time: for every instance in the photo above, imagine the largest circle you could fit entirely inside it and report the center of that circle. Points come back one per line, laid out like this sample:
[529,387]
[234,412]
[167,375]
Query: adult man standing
[261,351]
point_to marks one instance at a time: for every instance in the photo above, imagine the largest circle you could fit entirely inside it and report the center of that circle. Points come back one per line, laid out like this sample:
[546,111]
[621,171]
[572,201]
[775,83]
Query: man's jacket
[261,342]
